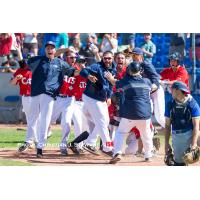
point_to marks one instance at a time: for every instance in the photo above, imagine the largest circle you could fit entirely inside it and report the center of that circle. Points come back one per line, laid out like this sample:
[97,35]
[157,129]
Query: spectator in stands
[175,72]
[197,46]
[148,48]
[6,65]
[48,37]
[76,43]
[126,40]
[177,44]
[109,43]
[90,50]
[5,45]
[30,43]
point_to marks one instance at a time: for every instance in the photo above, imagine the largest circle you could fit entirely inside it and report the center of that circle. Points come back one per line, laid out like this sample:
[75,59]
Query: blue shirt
[135,102]
[102,89]
[47,75]
[150,72]
[180,120]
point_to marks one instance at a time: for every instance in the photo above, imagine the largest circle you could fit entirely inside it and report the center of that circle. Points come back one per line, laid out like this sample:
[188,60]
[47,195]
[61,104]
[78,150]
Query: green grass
[5,162]
[12,138]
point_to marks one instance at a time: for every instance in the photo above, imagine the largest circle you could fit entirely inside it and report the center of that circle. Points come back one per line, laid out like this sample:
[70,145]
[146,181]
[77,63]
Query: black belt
[79,99]
[64,96]
[180,131]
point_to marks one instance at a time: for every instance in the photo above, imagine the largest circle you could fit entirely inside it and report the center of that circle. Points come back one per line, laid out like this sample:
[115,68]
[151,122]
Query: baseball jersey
[135,103]
[180,75]
[181,114]
[25,82]
[47,75]
[102,89]
[79,87]
[148,71]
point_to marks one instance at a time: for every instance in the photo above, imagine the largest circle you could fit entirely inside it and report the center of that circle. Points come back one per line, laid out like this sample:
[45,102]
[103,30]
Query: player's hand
[19,76]
[93,79]
[108,102]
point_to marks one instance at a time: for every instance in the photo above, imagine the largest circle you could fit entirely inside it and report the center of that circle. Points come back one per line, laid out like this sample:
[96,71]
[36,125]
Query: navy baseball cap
[137,51]
[180,86]
[50,43]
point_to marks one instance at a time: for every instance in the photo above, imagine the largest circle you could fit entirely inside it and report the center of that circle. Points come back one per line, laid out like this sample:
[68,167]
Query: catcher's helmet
[175,56]
[134,67]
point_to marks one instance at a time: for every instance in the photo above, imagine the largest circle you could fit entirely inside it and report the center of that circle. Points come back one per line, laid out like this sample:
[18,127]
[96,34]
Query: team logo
[26,81]
[82,85]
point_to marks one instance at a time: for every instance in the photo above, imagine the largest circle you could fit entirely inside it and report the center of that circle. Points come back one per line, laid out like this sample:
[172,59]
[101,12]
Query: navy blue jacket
[135,103]
[102,89]
[150,72]
[47,75]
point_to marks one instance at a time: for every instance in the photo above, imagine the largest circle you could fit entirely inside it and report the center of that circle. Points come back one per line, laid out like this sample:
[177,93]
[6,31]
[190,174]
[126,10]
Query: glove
[169,158]
[191,155]
[156,143]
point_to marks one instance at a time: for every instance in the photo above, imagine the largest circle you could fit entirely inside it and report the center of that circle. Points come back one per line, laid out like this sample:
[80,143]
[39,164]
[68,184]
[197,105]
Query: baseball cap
[180,86]
[137,51]
[50,43]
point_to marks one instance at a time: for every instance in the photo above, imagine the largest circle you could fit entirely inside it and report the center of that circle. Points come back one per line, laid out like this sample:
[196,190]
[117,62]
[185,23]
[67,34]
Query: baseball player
[22,77]
[65,103]
[47,76]
[158,98]
[182,122]
[96,97]
[175,72]
[135,110]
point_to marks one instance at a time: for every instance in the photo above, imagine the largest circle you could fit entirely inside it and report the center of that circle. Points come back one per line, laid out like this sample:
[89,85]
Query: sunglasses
[71,57]
[107,58]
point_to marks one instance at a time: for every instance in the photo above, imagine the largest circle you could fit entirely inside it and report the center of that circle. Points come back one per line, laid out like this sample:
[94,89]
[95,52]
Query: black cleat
[39,153]
[75,148]
[24,147]
[108,153]
[91,149]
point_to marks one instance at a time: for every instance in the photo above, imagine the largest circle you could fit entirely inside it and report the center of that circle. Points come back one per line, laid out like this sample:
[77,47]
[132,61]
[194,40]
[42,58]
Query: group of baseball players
[109,99]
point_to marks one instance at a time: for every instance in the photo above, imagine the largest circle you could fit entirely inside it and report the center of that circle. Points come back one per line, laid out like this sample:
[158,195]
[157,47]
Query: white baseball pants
[124,128]
[63,107]
[40,111]
[98,112]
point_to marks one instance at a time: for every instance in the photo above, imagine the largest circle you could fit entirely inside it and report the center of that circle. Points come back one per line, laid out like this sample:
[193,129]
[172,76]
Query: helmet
[175,56]
[133,67]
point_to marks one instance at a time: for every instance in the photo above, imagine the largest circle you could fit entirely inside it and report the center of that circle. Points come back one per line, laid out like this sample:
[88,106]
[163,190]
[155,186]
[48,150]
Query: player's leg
[31,127]
[132,144]
[180,143]
[46,109]
[120,136]
[146,136]
[66,119]
[99,114]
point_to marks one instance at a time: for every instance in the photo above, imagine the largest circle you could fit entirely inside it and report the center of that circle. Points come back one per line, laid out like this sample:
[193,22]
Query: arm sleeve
[151,73]
[195,110]
[93,70]
[182,75]
[167,109]
[119,84]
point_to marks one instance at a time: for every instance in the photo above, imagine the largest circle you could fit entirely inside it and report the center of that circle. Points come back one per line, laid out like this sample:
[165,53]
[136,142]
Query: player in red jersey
[22,77]
[175,72]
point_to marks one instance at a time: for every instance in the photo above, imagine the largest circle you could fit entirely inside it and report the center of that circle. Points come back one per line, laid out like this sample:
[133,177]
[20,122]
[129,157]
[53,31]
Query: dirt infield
[53,158]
